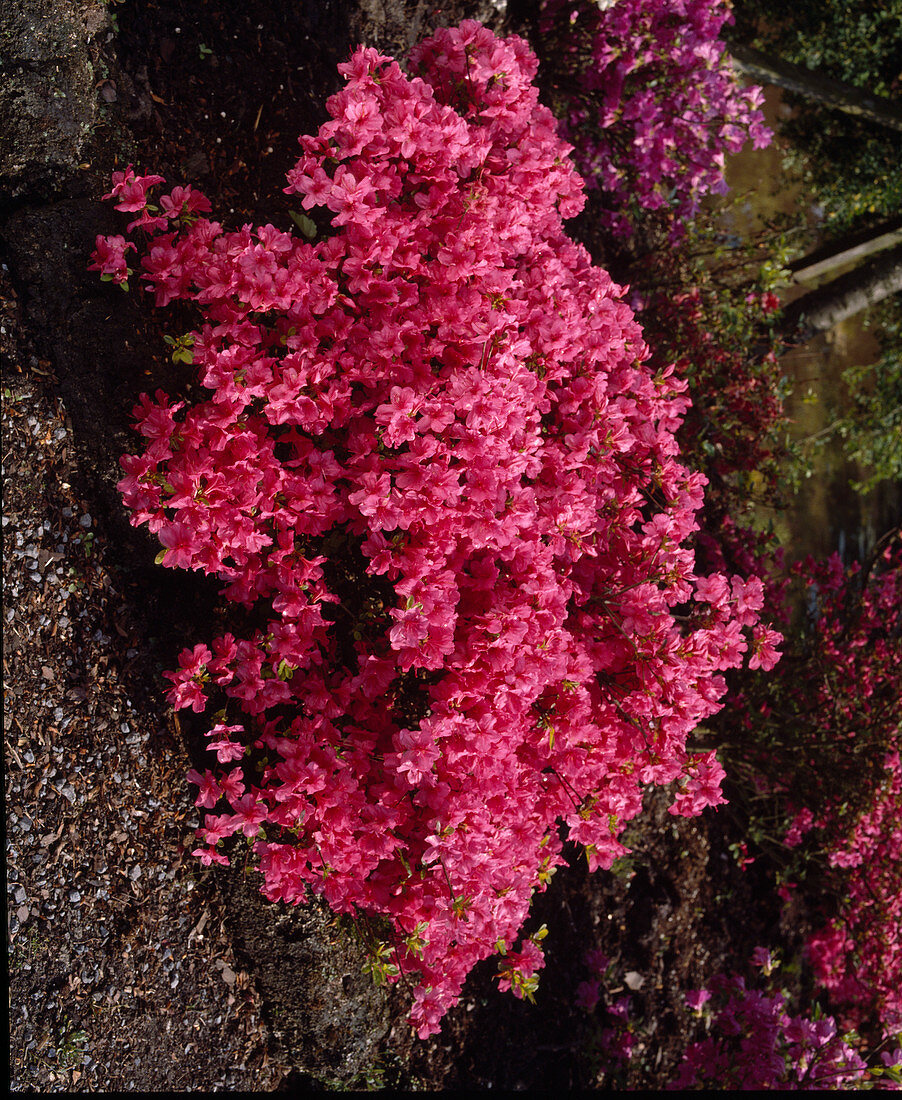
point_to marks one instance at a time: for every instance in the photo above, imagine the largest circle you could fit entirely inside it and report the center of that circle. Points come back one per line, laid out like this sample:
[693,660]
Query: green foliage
[868,422]
[181,347]
[853,165]
[857,41]
[71,1046]
[306,225]
[872,432]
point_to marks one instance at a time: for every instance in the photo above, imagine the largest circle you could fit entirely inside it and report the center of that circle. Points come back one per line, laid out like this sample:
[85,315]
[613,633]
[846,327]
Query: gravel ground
[122,976]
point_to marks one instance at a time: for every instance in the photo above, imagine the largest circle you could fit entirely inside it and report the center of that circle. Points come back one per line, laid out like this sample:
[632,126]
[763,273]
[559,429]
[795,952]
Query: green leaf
[306,225]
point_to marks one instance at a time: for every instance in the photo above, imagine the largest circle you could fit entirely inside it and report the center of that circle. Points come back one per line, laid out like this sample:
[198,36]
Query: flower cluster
[110,260]
[754,1042]
[824,736]
[437,465]
[649,101]
[734,428]
[857,956]
[616,1040]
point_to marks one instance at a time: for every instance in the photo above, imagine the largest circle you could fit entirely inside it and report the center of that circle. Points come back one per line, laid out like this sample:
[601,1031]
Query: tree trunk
[846,248]
[821,309]
[823,89]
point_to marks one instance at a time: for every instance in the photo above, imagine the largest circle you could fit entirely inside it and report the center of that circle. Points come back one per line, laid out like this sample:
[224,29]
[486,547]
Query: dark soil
[215,94]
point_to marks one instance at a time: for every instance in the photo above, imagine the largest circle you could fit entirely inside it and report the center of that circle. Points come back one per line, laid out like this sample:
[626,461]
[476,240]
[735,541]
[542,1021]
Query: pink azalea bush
[649,101]
[436,464]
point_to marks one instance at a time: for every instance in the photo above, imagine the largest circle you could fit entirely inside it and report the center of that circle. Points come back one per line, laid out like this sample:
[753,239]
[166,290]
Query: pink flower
[210,855]
[216,827]
[183,200]
[131,190]
[419,754]
[801,823]
[232,785]
[188,693]
[713,590]
[227,751]
[181,543]
[109,258]
[210,789]
[765,655]
[702,787]
[249,813]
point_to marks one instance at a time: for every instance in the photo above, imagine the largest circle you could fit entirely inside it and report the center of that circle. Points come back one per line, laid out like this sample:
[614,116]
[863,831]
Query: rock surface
[48,103]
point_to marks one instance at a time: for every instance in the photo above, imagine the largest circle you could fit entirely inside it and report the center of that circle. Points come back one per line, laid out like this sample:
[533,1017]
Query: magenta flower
[210,855]
[587,995]
[109,258]
[210,790]
[765,655]
[181,543]
[762,957]
[131,190]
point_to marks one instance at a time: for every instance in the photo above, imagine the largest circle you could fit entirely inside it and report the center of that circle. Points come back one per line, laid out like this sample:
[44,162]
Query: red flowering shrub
[735,431]
[436,463]
[819,741]
[649,101]
[733,427]
[857,956]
